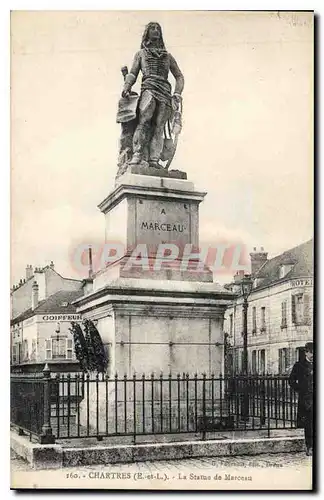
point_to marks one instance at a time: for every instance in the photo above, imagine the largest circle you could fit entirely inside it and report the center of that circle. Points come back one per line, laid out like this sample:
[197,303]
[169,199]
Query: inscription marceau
[157,226]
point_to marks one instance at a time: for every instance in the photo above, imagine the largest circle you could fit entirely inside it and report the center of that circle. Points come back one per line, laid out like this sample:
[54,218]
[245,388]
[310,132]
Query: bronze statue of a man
[156,104]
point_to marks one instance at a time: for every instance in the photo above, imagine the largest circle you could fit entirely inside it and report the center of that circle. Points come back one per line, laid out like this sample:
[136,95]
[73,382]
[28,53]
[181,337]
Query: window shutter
[293,309]
[14,354]
[307,316]
[254,361]
[25,350]
[68,348]
[235,361]
[291,358]
[48,349]
[282,314]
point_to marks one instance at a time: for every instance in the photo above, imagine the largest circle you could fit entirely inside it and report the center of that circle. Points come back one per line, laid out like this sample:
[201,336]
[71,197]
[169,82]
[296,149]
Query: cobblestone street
[204,473]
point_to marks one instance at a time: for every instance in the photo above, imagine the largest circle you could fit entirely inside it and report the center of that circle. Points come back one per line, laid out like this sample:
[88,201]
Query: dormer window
[257,282]
[65,304]
[284,270]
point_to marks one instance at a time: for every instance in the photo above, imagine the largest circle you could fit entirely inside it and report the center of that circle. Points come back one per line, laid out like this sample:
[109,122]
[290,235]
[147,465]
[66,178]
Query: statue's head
[153,33]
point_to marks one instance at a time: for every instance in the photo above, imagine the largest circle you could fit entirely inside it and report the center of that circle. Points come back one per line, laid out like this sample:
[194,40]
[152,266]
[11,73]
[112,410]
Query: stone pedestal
[154,326]
[151,210]
[168,320]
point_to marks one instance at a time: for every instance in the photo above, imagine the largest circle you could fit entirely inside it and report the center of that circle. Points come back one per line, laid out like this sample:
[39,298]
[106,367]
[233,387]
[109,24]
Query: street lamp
[246,287]
[57,331]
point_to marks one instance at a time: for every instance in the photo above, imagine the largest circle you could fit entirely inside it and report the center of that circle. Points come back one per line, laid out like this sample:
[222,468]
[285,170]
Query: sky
[247,137]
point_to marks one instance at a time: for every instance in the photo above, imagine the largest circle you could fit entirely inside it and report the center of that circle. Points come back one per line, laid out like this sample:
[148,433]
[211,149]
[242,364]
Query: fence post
[262,400]
[245,398]
[47,436]
[204,406]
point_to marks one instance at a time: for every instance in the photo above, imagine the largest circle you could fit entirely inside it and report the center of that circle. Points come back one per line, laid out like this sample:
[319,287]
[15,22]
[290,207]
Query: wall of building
[48,281]
[47,330]
[35,331]
[22,335]
[22,296]
[55,283]
[275,336]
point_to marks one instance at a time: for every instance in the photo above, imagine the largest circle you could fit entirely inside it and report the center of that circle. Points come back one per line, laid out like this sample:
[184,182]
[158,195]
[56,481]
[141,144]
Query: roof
[54,304]
[42,270]
[300,257]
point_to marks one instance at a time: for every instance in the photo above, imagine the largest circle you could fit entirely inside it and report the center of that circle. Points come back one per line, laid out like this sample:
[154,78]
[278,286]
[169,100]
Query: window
[283,360]
[254,362]
[284,314]
[25,350]
[301,309]
[231,324]
[261,361]
[33,353]
[297,304]
[284,270]
[59,348]
[15,354]
[254,323]
[263,319]
[281,272]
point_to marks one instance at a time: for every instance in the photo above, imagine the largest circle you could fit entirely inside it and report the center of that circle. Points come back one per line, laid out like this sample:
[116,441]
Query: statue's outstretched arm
[132,75]
[176,72]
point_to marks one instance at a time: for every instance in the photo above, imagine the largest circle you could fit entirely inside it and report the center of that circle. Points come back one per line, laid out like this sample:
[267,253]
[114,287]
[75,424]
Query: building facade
[42,312]
[279,315]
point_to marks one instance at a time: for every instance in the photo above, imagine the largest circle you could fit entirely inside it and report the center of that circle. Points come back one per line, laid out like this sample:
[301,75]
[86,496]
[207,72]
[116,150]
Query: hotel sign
[302,282]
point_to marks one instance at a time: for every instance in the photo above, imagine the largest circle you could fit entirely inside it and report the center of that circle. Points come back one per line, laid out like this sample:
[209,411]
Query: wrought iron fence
[77,405]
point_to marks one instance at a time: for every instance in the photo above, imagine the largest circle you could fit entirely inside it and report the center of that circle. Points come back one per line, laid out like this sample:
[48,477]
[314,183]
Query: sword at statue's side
[176,129]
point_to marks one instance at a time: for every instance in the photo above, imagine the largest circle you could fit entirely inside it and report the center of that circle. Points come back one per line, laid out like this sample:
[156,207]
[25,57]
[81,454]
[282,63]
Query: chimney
[258,258]
[51,265]
[29,271]
[239,276]
[34,295]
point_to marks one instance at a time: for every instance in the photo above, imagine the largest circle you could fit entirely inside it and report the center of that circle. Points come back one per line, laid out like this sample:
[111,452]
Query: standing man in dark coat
[301,380]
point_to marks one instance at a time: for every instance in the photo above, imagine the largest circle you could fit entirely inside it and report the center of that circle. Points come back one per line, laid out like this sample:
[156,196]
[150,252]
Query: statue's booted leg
[163,113]
[146,109]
